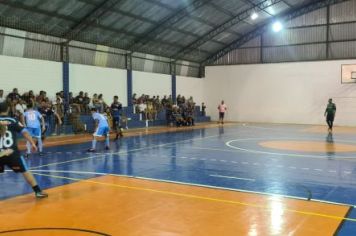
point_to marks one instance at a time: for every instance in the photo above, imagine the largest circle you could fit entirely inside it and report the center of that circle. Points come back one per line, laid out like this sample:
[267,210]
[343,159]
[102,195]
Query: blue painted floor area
[228,157]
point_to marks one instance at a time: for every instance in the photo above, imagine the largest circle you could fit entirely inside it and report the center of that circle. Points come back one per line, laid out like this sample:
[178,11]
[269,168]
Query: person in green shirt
[330,114]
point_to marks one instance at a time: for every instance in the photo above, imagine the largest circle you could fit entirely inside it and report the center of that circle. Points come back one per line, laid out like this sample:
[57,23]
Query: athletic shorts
[101,131]
[34,132]
[15,162]
[330,117]
[221,115]
[116,122]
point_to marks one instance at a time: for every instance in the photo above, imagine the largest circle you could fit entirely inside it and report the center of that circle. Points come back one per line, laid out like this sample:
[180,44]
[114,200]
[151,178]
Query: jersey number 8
[6,141]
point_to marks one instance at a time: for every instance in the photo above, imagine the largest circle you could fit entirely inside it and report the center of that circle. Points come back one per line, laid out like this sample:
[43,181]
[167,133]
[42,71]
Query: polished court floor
[240,179]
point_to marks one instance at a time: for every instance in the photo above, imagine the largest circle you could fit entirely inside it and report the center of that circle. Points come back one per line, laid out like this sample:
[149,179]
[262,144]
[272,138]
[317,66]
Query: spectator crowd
[180,113]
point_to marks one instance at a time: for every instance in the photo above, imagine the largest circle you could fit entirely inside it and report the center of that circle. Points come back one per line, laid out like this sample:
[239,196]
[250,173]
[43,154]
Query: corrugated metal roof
[159,27]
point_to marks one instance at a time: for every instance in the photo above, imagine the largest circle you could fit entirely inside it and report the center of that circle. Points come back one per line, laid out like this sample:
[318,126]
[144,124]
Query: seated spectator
[177,117]
[189,116]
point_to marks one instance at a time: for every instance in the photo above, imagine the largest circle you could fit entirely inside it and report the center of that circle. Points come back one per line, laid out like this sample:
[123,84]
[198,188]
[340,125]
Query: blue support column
[174,88]
[129,89]
[65,75]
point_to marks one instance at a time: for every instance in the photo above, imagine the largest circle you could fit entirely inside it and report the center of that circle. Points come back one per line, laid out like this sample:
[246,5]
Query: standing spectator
[330,114]
[203,107]
[29,98]
[95,101]
[59,110]
[73,103]
[2,99]
[86,102]
[222,109]
[179,100]
[170,100]
[142,110]
[40,98]
[164,101]
[80,100]
[134,98]
[13,95]
[101,103]
[20,109]
[116,108]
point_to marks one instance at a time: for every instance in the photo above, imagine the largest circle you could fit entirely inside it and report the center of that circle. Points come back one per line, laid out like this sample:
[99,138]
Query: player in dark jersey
[330,114]
[116,108]
[13,158]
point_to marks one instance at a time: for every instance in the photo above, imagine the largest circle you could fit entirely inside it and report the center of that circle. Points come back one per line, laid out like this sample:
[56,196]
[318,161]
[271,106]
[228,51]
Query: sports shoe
[41,194]
[91,150]
[107,148]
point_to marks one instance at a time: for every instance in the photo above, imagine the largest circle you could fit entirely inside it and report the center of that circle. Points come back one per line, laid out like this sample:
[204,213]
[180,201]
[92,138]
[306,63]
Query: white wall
[281,93]
[189,86]
[29,74]
[98,80]
[151,84]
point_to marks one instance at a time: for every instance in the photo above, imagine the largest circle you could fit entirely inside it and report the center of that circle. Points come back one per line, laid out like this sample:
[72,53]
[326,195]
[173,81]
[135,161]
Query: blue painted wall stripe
[66,84]
[129,89]
[174,88]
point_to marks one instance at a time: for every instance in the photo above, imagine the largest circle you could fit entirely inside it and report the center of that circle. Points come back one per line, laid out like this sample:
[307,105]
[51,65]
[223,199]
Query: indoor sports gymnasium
[177,117]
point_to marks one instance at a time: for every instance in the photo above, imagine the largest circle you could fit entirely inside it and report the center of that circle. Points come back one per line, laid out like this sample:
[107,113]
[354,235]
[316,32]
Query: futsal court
[127,101]
[236,179]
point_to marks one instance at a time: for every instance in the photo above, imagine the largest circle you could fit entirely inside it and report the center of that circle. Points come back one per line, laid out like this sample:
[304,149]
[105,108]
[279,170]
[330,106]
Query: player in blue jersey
[34,122]
[116,108]
[101,129]
[9,154]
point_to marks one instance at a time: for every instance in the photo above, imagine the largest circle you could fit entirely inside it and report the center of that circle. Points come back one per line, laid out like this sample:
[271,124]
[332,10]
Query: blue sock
[40,145]
[107,141]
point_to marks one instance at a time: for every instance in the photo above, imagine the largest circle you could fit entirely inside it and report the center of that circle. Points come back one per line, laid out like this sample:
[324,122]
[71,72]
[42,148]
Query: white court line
[232,177]
[284,154]
[199,185]
[121,152]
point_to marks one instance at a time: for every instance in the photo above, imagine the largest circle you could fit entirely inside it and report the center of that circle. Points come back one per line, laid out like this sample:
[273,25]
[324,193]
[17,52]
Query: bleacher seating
[135,122]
